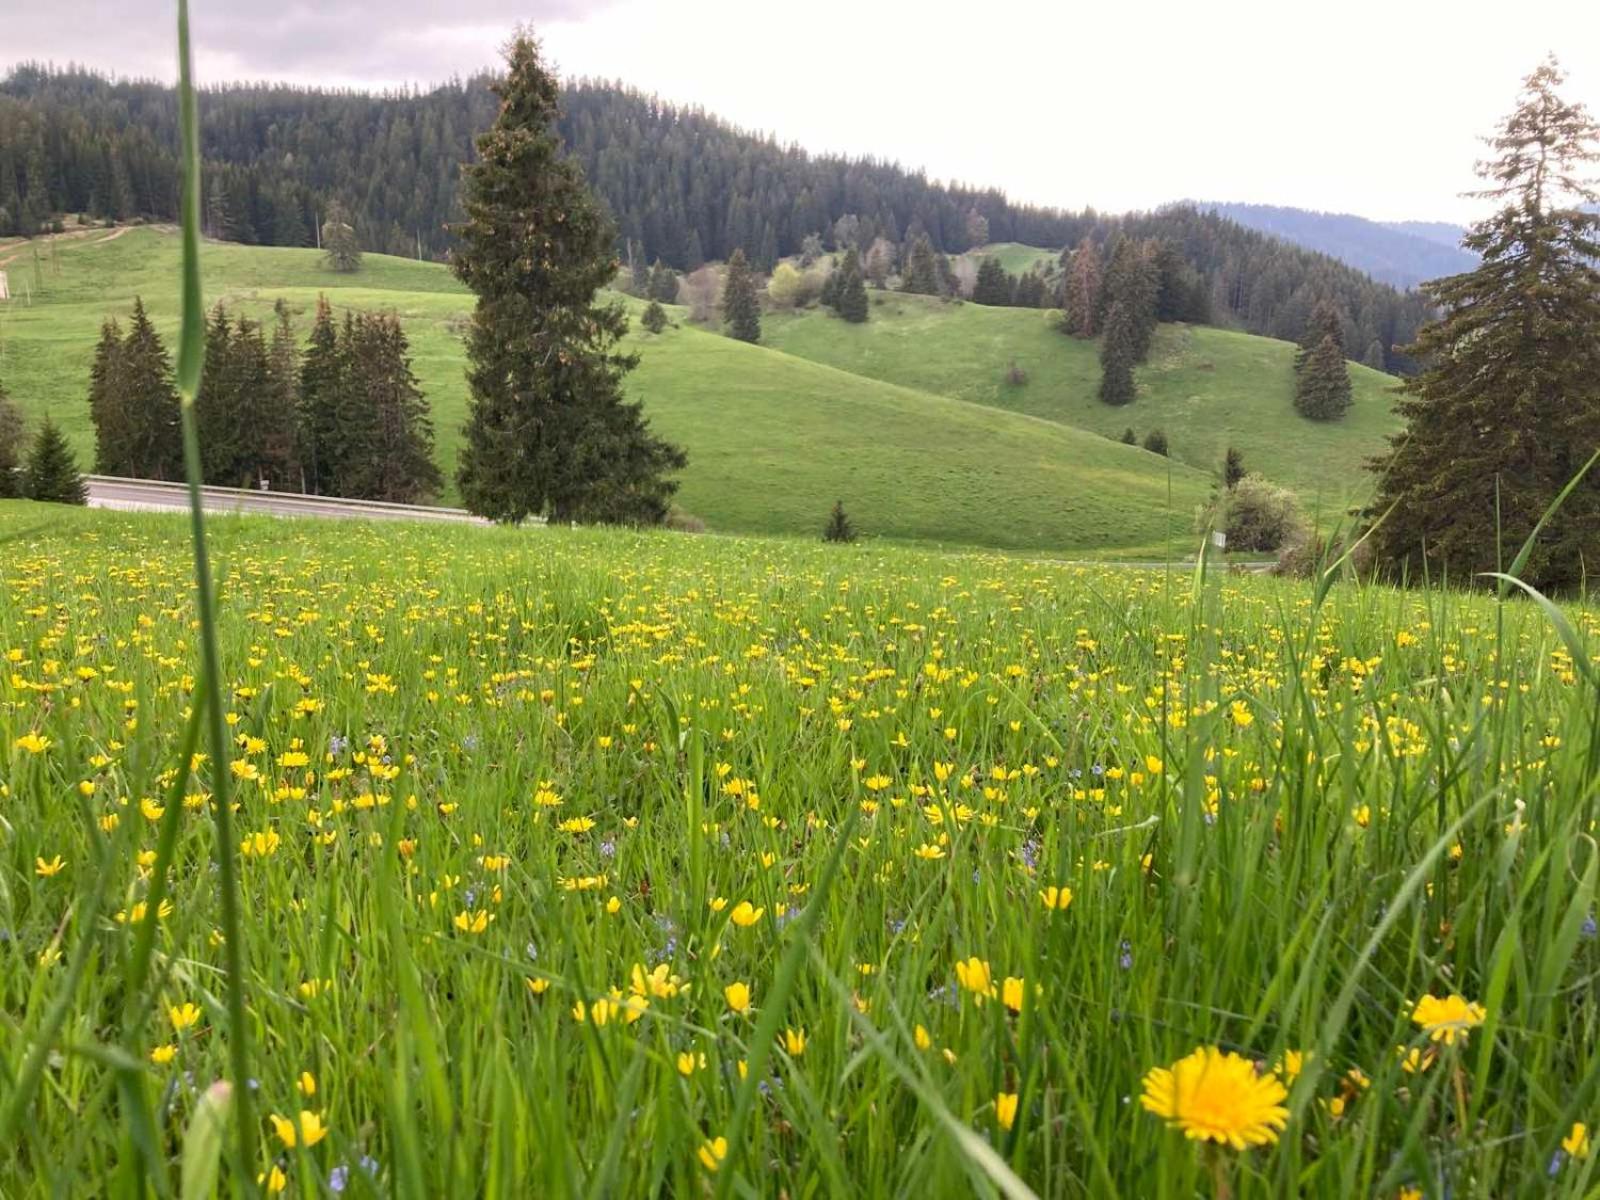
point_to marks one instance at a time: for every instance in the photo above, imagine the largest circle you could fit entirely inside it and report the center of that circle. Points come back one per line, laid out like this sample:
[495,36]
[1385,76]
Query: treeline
[343,417]
[683,186]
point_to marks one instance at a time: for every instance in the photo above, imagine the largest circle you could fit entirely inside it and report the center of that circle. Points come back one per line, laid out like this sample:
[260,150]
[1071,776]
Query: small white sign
[1219,539]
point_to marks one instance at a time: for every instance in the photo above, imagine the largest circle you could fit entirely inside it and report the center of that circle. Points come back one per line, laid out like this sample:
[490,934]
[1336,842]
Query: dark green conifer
[1507,410]
[741,308]
[850,295]
[1116,358]
[548,429]
[1322,387]
[922,269]
[654,318]
[839,527]
[51,474]
[321,382]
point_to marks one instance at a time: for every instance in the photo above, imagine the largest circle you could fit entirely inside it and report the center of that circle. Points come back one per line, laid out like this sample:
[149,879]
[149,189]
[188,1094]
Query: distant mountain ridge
[1399,253]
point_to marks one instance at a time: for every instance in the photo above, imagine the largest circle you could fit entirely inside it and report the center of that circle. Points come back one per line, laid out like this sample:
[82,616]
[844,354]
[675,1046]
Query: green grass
[1016,257]
[773,439]
[1207,388]
[1282,819]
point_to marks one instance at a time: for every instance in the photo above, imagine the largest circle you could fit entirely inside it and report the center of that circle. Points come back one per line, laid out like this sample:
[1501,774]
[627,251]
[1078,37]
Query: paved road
[142,495]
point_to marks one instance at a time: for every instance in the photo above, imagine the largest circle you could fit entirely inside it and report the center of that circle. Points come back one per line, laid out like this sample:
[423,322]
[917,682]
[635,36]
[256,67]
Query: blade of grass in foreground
[191,350]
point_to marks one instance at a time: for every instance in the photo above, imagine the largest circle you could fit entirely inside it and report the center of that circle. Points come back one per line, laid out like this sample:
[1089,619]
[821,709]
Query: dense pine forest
[683,186]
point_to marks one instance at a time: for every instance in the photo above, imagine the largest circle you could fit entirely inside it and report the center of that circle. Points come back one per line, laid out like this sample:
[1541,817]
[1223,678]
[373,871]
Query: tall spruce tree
[1131,280]
[548,429]
[993,286]
[741,308]
[1322,387]
[51,474]
[663,285]
[11,434]
[922,269]
[218,418]
[340,249]
[147,429]
[1323,323]
[850,292]
[1082,299]
[390,456]
[106,411]
[1116,357]
[321,383]
[280,407]
[1507,409]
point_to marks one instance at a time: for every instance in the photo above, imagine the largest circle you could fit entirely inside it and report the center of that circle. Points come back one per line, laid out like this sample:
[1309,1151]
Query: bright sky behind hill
[1369,106]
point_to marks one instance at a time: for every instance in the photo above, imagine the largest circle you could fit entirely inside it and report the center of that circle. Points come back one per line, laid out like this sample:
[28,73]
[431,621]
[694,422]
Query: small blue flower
[338,1178]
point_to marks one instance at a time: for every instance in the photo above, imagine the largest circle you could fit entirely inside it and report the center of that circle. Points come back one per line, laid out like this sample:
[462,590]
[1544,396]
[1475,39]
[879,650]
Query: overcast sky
[1365,106]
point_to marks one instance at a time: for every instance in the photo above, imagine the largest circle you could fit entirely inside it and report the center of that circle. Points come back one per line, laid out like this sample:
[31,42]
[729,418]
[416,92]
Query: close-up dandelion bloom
[1217,1096]
[1447,1019]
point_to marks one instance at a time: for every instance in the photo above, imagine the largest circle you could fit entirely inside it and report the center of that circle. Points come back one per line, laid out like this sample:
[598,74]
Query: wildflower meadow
[616,864]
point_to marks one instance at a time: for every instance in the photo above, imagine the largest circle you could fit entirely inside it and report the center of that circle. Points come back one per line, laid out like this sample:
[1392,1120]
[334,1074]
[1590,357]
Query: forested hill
[684,187]
[1403,253]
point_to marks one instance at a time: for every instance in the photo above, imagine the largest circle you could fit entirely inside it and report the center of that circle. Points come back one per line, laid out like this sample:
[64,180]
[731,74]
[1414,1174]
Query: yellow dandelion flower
[713,1152]
[738,997]
[1447,1019]
[1217,1096]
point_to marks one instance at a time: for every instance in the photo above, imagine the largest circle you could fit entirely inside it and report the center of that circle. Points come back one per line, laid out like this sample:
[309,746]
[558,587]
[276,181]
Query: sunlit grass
[480,775]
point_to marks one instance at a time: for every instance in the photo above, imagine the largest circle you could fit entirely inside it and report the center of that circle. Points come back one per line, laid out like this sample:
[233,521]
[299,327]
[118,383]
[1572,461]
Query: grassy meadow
[615,864]
[909,419]
[1207,388]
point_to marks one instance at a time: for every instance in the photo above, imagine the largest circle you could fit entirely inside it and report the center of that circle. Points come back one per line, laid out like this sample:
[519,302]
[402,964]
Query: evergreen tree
[52,473]
[388,432]
[11,434]
[655,317]
[1322,388]
[340,249]
[1374,357]
[1156,442]
[1323,323]
[1082,299]
[663,283]
[839,527]
[1507,409]
[280,410]
[321,384]
[1116,358]
[548,429]
[741,308]
[1031,291]
[146,403]
[850,293]
[1129,438]
[106,397]
[1232,468]
[1132,281]
[994,286]
[218,419]
[922,271]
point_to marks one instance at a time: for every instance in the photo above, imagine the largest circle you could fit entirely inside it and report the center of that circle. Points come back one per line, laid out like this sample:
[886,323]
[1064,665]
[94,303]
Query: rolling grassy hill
[1207,388]
[773,438]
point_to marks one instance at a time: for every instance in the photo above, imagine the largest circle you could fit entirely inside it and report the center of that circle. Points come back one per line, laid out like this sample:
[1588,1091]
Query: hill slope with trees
[684,187]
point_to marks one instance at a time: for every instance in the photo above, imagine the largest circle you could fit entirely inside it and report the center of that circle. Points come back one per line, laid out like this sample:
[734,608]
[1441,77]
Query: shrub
[1015,375]
[655,318]
[1156,442]
[1258,515]
[1129,438]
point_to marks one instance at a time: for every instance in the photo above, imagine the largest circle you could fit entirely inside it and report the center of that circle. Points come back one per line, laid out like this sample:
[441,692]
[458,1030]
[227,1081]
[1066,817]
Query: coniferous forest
[683,187]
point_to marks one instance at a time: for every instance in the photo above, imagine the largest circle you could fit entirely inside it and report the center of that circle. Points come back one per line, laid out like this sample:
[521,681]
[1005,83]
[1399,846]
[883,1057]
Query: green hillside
[773,439]
[1207,388]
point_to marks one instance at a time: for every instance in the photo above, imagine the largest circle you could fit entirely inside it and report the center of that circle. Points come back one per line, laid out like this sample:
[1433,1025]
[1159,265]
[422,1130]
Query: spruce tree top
[533,231]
